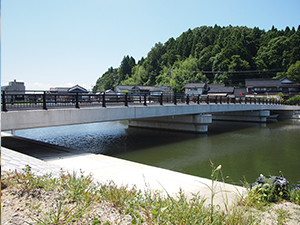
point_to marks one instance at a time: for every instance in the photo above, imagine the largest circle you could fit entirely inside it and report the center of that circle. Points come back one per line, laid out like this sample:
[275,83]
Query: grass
[77,194]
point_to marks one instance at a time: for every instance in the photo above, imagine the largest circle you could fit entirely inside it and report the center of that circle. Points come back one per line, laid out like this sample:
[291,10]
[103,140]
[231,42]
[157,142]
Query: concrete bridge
[192,117]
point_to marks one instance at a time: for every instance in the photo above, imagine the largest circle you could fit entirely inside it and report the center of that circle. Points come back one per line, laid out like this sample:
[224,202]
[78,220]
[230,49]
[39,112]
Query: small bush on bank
[295,100]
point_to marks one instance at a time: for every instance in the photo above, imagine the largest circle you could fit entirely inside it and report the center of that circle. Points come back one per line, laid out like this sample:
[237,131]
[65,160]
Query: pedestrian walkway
[122,172]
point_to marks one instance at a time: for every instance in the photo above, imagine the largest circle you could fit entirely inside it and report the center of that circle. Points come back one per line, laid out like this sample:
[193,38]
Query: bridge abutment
[295,114]
[190,123]
[245,116]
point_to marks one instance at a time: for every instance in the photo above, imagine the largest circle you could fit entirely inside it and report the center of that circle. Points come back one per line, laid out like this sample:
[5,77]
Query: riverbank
[106,168]
[161,183]
[244,150]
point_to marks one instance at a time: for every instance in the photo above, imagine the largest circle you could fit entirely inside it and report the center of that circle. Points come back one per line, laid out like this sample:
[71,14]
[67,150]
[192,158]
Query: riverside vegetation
[77,199]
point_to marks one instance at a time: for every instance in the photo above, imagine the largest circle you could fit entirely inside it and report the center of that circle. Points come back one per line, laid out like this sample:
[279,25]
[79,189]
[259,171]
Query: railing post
[77,101]
[161,99]
[245,100]
[228,99]
[175,101]
[187,99]
[240,100]
[44,101]
[126,99]
[103,100]
[250,101]
[12,99]
[216,100]
[35,100]
[145,100]
[198,100]
[207,99]
[220,99]
[4,109]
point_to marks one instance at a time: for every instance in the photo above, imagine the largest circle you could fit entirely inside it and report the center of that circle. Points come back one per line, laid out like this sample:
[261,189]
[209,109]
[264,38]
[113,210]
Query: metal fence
[46,100]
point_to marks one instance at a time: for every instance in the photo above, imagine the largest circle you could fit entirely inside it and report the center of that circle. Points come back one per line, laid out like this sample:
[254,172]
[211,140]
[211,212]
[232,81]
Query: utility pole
[169,78]
[171,93]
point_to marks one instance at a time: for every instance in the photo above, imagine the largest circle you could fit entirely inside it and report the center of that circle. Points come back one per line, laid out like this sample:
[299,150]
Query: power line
[230,72]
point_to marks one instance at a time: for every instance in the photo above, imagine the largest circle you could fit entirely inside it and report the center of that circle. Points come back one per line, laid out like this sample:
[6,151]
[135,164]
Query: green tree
[237,64]
[107,81]
[293,72]
[125,68]
[220,78]
[209,49]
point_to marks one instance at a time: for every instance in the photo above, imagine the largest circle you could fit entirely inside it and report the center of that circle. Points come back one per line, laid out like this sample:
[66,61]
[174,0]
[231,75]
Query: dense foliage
[214,55]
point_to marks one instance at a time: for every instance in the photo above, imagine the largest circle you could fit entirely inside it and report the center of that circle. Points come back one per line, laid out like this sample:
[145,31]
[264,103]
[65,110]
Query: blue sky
[51,43]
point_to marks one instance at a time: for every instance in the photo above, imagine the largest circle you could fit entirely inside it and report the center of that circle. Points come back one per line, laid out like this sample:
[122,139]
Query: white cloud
[37,86]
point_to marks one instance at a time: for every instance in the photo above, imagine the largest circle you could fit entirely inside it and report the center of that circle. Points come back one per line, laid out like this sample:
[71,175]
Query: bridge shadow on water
[35,148]
[137,139]
[112,141]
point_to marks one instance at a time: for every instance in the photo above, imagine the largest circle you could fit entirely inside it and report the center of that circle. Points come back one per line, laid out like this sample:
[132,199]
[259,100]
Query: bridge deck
[25,119]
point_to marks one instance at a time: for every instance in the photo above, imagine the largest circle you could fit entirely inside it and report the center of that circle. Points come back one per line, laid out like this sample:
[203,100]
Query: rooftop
[194,85]
[262,83]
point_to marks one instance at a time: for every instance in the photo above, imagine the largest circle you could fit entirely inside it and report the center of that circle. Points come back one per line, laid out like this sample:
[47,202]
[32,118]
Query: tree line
[227,55]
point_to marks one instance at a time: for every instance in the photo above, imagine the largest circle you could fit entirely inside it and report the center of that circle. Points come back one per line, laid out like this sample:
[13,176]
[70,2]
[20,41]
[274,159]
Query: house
[68,90]
[219,90]
[272,87]
[289,88]
[63,90]
[77,89]
[14,87]
[240,92]
[122,89]
[142,90]
[265,86]
[133,89]
[165,90]
[59,90]
[194,89]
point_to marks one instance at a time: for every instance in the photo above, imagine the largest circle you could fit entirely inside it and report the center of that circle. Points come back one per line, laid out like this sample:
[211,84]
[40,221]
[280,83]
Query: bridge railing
[45,100]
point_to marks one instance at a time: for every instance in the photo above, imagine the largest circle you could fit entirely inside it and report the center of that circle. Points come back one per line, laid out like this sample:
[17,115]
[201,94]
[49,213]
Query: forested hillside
[214,55]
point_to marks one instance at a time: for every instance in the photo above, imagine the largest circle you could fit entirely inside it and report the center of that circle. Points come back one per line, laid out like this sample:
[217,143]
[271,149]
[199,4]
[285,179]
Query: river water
[245,150]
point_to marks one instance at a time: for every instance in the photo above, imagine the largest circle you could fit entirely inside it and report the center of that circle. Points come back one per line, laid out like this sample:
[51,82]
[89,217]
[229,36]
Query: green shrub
[295,100]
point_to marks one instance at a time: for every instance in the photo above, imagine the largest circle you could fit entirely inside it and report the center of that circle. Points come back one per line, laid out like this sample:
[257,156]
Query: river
[245,150]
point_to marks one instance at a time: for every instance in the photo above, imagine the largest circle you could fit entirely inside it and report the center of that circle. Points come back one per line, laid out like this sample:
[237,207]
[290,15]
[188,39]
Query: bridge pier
[245,116]
[190,123]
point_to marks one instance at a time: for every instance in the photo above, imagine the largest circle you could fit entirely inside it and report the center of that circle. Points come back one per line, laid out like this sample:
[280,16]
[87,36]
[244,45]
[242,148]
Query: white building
[195,88]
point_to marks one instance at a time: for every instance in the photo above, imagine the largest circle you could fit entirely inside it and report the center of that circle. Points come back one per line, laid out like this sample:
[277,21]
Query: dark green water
[243,149]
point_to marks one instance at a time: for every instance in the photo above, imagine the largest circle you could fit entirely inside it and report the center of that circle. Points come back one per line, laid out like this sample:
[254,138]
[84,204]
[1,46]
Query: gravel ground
[19,210]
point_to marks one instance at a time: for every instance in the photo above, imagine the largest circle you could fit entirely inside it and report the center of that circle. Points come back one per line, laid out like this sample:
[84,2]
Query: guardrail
[45,100]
